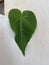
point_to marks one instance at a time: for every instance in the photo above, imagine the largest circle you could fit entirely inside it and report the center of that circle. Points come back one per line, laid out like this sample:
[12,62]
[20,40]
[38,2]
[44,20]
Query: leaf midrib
[21,28]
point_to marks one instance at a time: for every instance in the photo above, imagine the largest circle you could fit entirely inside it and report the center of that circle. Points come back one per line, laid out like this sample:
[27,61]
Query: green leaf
[24,25]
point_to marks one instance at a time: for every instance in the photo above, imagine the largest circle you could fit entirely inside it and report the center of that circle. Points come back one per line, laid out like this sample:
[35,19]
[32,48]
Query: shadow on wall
[1,7]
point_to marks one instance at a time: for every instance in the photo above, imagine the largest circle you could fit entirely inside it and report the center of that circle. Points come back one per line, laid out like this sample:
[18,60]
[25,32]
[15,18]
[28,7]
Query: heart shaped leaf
[24,25]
